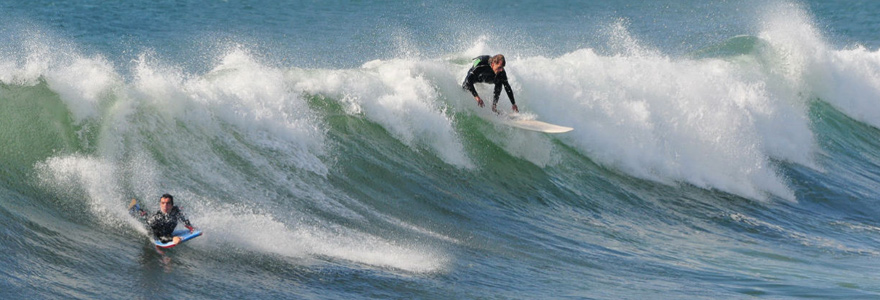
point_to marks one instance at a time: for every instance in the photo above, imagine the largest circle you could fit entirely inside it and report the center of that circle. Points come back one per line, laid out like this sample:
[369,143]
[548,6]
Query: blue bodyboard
[184,235]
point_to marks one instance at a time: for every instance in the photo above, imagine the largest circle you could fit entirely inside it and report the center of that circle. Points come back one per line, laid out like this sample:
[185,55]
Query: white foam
[160,134]
[231,226]
[82,85]
[80,81]
[241,104]
[710,123]
[239,97]
[853,83]
[713,123]
[95,180]
[848,79]
[396,95]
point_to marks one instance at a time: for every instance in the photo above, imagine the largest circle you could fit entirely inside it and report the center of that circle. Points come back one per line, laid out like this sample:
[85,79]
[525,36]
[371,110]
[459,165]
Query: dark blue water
[720,150]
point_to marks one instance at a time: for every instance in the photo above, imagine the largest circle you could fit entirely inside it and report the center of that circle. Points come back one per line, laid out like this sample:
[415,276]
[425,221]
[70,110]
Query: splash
[712,123]
[397,95]
[845,78]
[232,226]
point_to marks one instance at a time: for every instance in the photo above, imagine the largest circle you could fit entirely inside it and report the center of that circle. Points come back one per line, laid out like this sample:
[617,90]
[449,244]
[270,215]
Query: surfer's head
[497,63]
[166,202]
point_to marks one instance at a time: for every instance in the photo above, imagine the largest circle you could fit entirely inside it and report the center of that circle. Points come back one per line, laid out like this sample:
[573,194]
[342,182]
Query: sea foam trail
[262,232]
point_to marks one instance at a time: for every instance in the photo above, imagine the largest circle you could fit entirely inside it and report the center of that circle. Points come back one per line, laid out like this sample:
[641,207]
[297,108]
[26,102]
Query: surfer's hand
[516,109]
[479,101]
[494,108]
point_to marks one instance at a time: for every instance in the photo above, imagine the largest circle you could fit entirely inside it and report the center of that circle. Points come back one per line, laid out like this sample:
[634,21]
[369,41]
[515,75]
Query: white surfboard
[535,125]
[518,121]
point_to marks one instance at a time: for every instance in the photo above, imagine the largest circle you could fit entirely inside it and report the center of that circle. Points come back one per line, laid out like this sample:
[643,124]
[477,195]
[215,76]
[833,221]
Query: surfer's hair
[169,197]
[497,58]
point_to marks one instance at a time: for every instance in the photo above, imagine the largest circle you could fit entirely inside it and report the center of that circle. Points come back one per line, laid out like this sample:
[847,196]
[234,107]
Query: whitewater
[327,150]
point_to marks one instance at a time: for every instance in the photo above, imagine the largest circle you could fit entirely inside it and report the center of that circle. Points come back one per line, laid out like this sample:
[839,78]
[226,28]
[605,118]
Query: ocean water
[721,149]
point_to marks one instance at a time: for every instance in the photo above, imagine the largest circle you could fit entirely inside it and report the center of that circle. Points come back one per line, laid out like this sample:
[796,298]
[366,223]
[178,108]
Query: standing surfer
[489,70]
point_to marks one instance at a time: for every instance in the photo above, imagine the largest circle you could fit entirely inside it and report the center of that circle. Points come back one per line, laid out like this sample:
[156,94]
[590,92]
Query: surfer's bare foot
[176,240]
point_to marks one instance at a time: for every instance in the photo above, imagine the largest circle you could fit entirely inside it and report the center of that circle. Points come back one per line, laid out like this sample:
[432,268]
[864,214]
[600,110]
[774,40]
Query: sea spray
[396,95]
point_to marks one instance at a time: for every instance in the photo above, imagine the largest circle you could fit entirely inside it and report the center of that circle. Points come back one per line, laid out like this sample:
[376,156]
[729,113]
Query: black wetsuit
[482,72]
[163,225]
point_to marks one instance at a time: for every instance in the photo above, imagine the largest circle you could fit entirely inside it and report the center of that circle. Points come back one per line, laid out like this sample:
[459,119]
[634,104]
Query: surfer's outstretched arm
[468,85]
[502,82]
[134,209]
[510,95]
[186,223]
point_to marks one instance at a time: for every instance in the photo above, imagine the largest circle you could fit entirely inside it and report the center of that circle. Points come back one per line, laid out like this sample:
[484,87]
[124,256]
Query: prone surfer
[163,222]
[488,69]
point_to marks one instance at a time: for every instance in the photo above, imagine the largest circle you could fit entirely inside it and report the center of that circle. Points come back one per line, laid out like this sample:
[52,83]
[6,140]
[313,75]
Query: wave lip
[396,94]
[704,122]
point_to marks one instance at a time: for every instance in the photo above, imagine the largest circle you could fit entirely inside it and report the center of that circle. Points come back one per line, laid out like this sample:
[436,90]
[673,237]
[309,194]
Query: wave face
[723,150]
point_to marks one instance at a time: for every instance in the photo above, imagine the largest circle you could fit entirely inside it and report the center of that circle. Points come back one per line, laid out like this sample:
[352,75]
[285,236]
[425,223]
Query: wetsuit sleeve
[501,80]
[497,93]
[468,83]
[181,216]
[509,92]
